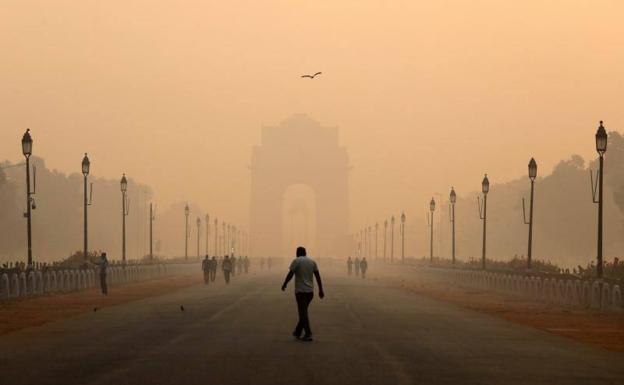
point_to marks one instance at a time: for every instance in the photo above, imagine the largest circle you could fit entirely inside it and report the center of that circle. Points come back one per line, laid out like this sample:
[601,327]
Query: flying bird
[311,76]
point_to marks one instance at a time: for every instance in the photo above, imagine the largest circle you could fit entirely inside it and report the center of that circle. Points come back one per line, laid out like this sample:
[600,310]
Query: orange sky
[427,94]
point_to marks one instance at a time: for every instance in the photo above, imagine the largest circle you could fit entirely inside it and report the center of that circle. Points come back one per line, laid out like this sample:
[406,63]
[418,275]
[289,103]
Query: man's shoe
[307,338]
[297,336]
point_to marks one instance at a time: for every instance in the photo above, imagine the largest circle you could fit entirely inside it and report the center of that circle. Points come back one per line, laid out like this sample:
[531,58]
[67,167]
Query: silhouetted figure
[213,268]
[363,267]
[233,265]
[356,263]
[103,263]
[246,264]
[206,269]
[226,266]
[239,265]
[349,265]
[303,269]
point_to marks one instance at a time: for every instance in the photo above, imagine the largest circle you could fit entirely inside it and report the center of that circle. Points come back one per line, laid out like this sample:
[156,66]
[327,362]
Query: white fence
[64,281]
[567,292]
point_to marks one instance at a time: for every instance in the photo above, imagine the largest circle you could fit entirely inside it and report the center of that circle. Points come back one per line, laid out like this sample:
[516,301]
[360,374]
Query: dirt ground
[24,313]
[602,329]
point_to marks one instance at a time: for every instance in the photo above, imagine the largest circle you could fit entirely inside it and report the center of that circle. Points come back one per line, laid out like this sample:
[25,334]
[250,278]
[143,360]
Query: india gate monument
[299,154]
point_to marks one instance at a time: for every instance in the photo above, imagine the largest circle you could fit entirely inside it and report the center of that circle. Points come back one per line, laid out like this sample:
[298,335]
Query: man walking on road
[303,268]
[213,268]
[226,266]
[103,263]
[363,267]
[206,269]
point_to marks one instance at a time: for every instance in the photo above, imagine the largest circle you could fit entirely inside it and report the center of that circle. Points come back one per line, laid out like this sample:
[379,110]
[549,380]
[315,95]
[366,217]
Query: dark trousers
[206,276]
[303,301]
[213,274]
[226,275]
[103,284]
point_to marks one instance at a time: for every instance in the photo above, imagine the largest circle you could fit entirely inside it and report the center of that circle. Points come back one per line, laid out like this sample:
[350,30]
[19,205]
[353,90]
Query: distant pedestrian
[206,269]
[303,269]
[103,264]
[356,263]
[213,268]
[226,266]
[350,265]
[363,267]
[239,265]
[233,265]
[246,264]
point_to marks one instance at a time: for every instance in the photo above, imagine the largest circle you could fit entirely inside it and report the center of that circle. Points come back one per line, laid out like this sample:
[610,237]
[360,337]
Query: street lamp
[385,238]
[392,239]
[452,200]
[601,148]
[430,217]
[152,217]
[227,239]
[223,239]
[124,213]
[187,211]
[207,234]
[27,143]
[86,165]
[485,188]
[376,238]
[216,240]
[198,235]
[402,237]
[532,176]
[368,239]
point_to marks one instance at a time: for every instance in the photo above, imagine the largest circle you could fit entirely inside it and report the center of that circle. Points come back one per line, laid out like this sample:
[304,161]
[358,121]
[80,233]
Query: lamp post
[369,240]
[207,234]
[216,246]
[152,217]
[27,143]
[124,213]
[223,239]
[198,235]
[86,164]
[601,148]
[227,239]
[186,232]
[452,200]
[392,239]
[385,238]
[485,188]
[532,176]
[430,220]
[402,237]
[376,238]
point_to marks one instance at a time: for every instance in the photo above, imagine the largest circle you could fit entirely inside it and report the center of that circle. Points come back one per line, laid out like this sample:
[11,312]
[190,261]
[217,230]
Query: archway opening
[299,219]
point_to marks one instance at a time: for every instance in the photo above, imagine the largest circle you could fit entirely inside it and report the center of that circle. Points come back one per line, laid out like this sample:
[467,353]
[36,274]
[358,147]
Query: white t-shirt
[304,269]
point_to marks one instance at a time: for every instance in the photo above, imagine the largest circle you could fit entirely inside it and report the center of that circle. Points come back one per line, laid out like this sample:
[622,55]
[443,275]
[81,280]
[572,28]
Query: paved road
[365,333]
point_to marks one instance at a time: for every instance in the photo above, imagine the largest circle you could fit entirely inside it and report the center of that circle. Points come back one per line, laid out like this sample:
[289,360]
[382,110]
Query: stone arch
[299,151]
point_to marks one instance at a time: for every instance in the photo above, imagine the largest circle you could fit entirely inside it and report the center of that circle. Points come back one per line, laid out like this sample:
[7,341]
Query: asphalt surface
[365,333]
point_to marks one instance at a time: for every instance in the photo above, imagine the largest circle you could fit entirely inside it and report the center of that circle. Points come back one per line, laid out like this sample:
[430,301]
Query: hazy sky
[427,94]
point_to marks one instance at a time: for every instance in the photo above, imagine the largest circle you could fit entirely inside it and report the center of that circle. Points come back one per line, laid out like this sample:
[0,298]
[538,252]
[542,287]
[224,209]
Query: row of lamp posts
[601,138]
[233,233]
[232,239]
[364,242]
